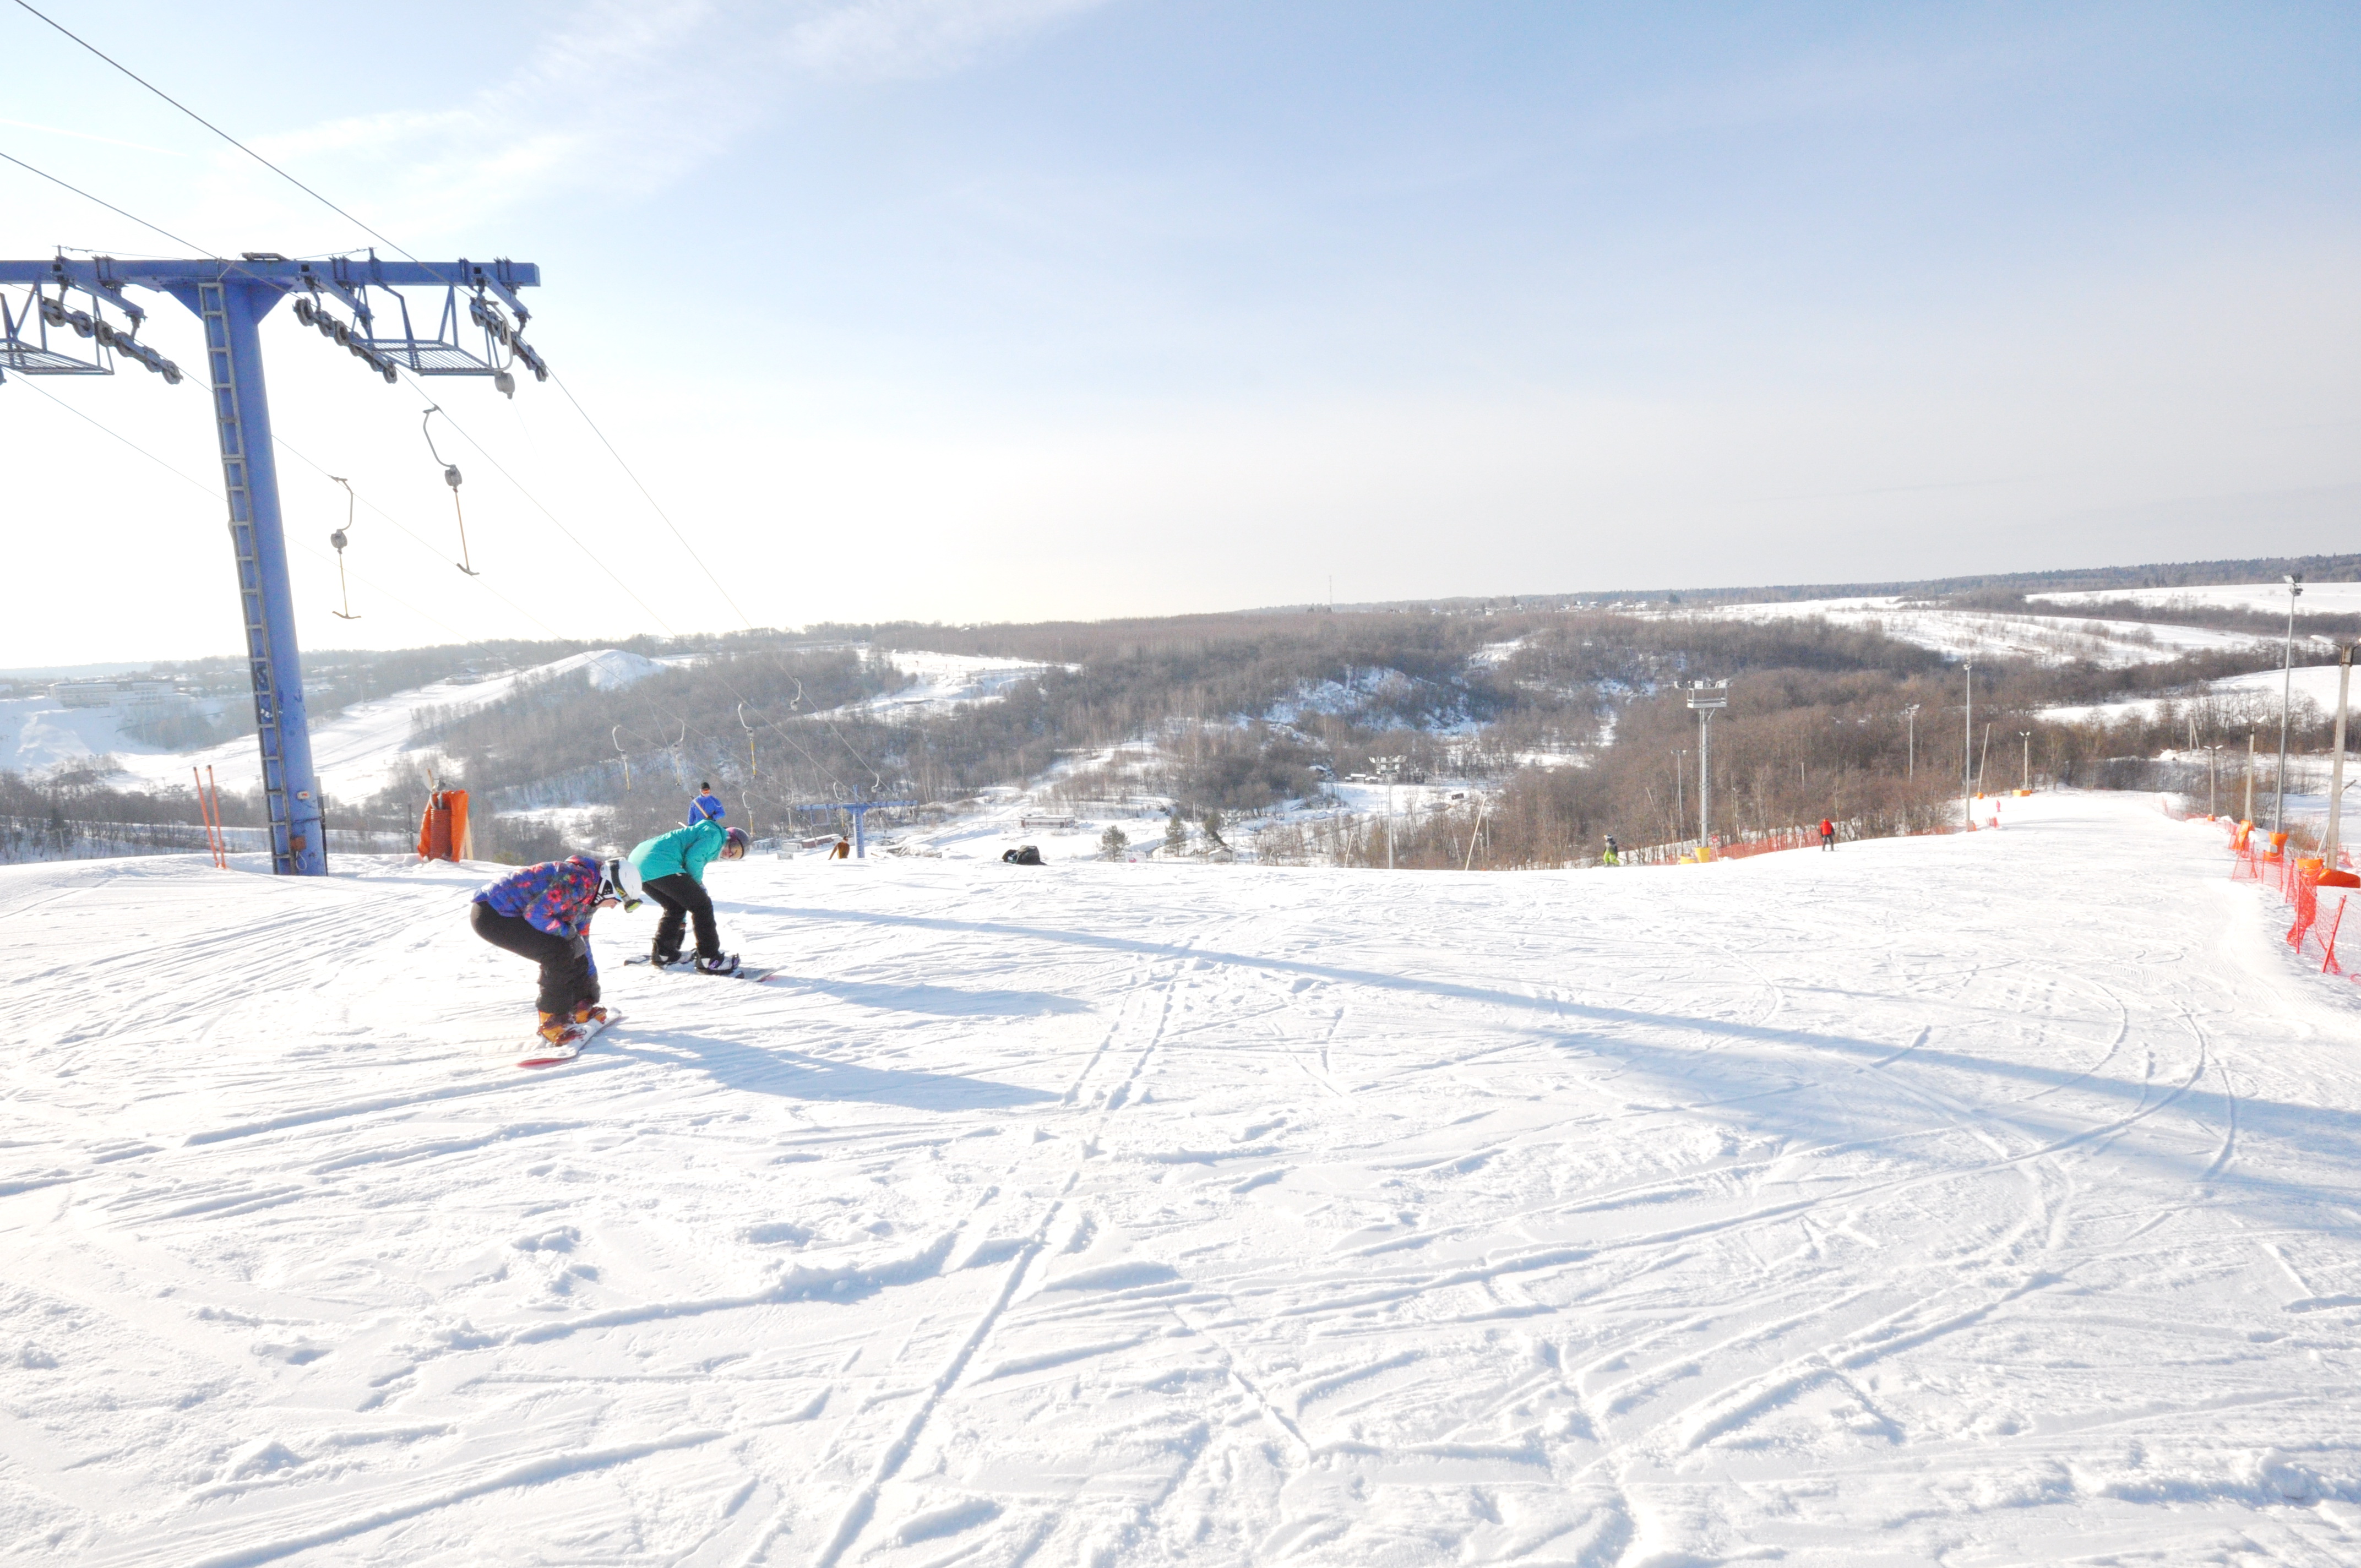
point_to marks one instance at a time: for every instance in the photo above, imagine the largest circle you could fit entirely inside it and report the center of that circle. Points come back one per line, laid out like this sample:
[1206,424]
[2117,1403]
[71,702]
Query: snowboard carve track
[1449,1220]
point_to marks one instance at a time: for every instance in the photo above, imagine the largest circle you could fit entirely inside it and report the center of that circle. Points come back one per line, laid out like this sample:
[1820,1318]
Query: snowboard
[539,1052]
[688,966]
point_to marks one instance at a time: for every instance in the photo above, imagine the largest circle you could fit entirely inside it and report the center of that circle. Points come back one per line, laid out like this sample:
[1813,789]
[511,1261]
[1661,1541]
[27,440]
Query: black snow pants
[682,896]
[567,980]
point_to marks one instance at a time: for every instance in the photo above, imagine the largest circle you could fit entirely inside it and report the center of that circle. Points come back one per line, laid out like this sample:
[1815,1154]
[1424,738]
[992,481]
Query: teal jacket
[688,850]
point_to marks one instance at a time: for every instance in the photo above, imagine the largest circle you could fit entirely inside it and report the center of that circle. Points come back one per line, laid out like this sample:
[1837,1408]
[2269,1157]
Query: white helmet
[620,880]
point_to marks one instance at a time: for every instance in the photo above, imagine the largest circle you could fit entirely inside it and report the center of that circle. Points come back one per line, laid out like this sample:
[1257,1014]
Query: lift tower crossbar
[230,299]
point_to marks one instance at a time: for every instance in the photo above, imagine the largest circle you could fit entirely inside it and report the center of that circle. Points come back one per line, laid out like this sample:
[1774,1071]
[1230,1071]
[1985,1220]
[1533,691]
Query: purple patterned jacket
[555,896]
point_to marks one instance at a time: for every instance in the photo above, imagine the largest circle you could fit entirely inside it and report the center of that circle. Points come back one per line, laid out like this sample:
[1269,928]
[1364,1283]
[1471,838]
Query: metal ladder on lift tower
[216,316]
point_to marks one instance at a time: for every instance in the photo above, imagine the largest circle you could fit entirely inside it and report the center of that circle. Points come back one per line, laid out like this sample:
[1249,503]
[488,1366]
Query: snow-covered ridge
[2050,639]
[2318,598]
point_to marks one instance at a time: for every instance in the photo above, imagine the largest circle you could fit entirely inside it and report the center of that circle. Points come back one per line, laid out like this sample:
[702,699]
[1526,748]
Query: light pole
[1387,769]
[1680,803]
[2025,779]
[2286,696]
[1910,717]
[1968,756]
[1705,699]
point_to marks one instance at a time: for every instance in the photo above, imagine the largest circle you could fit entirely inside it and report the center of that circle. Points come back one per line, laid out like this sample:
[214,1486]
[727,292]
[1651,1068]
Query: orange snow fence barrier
[1756,841]
[2299,881]
[443,832]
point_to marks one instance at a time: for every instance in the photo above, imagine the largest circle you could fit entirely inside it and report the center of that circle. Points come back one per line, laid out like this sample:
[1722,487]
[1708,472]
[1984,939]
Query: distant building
[115,694]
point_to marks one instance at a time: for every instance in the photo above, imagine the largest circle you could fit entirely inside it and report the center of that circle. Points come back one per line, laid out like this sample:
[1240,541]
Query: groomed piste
[1988,1199]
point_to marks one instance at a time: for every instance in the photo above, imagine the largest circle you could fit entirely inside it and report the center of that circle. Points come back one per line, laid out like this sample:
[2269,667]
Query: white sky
[1009,309]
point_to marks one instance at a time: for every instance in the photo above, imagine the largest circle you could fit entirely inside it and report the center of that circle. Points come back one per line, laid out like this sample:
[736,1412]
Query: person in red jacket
[1828,834]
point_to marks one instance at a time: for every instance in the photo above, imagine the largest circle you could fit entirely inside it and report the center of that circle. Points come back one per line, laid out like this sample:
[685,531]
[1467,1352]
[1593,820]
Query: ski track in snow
[1983,1199]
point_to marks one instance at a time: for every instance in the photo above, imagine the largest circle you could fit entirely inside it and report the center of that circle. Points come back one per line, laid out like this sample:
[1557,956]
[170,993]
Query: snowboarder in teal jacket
[672,871]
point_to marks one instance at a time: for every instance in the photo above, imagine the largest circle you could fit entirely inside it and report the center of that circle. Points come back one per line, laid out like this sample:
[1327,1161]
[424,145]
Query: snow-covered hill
[2261,692]
[940,681]
[2318,598]
[2050,639]
[1978,1199]
[357,752]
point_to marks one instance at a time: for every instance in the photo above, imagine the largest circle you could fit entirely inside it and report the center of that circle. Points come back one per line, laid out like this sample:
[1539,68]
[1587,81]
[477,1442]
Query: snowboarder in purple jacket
[542,912]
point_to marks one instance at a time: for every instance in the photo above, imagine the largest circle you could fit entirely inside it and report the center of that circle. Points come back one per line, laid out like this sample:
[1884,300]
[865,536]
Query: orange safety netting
[2295,879]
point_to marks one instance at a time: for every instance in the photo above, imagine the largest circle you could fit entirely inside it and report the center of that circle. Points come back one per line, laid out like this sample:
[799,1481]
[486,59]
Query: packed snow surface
[2050,639]
[2318,598]
[1987,1198]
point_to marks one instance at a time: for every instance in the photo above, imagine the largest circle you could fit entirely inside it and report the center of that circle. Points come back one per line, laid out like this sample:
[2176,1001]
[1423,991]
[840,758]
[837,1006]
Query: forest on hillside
[1570,719]
[1248,713]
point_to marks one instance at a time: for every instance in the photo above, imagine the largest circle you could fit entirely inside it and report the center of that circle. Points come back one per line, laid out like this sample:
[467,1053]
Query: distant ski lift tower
[230,298]
[1705,699]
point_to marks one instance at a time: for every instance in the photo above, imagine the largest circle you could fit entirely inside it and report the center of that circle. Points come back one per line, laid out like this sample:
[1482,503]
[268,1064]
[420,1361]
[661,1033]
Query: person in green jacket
[672,871]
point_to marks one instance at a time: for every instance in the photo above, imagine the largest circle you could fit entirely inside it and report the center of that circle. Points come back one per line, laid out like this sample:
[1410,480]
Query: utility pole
[2024,778]
[1388,769]
[1910,715]
[230,299]
[2249,817]
[2336,767]
[1705,699]
[2286,696]
[1680,805]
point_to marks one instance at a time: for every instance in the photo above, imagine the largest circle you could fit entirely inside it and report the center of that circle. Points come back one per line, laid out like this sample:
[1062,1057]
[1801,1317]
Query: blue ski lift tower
[230,298]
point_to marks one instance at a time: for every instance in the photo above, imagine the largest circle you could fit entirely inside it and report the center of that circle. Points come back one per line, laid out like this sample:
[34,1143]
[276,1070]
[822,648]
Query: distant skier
[840,850]
[1828,834]
[706,807]
[672,871]
[542,912]
[1614,855]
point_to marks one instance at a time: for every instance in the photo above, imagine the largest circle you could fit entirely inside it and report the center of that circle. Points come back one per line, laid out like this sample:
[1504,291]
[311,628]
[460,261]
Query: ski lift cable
[212,494]
[279,441]
[657,506]
[212,127]
[232,267]
[460,429]
[103,202]
[570,536]
[522,489]
[653,505]
[408,533]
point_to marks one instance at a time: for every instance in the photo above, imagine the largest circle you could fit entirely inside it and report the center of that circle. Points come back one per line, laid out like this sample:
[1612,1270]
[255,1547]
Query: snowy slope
[2051,638]
[939,682]
[36,733]
[361,749]
[2316,683]
[2318,598]
[1983,1199]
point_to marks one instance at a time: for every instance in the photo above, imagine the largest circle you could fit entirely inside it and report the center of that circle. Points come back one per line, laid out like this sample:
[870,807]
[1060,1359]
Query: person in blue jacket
[672,871]
[542,912]
[706,807]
